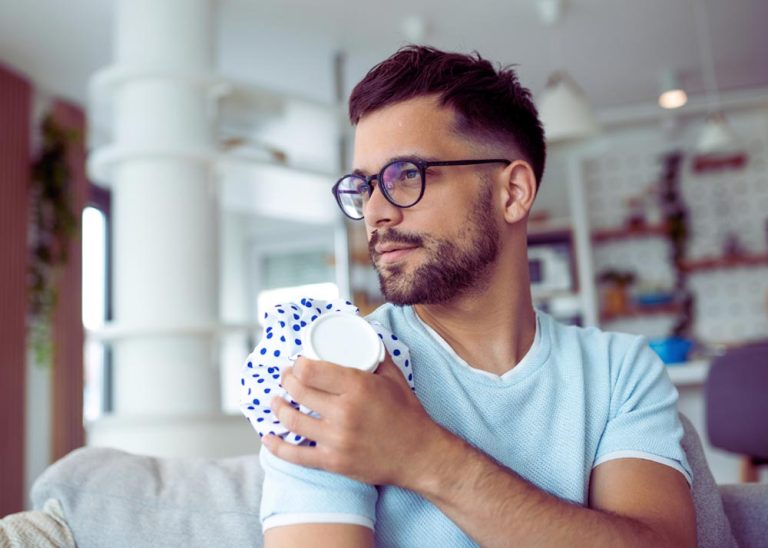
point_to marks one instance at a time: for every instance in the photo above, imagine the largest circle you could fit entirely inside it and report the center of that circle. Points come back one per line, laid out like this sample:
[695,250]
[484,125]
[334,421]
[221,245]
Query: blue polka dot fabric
[280,345]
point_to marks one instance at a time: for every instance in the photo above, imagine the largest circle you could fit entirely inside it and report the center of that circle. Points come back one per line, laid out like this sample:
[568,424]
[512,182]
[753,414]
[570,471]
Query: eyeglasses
[400,181]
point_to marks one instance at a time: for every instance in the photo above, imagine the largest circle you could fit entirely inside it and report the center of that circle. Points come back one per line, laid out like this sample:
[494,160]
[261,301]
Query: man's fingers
[316,400]
[326,376]
[296,421]
[387,368]
[301,455]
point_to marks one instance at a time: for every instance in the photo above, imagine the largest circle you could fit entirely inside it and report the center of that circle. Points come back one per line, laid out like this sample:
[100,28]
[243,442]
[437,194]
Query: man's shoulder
[590,332]
[592,343]
[388,315]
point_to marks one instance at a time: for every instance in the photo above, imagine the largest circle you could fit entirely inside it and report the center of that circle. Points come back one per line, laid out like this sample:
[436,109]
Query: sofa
[98,497]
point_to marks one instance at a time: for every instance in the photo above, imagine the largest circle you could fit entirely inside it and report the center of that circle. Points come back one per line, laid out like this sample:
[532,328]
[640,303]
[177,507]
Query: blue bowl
[672,349]
[651,299]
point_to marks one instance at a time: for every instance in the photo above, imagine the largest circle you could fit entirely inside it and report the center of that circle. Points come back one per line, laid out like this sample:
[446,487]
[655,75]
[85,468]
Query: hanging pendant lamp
[564,110]
[716,137]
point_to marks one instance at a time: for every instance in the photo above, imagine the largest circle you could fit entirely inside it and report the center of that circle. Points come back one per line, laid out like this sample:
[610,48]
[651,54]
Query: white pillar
[582,236]
[165,287]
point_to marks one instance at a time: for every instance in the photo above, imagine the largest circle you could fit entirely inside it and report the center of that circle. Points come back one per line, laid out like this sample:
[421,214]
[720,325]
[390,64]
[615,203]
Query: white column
[583,240]
[165,287]
[235,298]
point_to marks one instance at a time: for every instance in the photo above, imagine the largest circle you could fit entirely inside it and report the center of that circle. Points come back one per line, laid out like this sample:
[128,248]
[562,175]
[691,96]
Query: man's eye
[363,188]
[408,175]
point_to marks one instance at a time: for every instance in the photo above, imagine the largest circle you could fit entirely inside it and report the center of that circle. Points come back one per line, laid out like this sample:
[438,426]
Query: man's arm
[319,534]
[632,502]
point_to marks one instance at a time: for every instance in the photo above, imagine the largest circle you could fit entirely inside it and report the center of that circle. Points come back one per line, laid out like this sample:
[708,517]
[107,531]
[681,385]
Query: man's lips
[392,247]
[393,253]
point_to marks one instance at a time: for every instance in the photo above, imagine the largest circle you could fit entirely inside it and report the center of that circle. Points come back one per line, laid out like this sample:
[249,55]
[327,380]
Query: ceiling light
[564,110]
[672,93]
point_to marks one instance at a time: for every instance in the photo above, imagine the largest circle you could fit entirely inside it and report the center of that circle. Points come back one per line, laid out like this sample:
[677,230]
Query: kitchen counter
[689,373]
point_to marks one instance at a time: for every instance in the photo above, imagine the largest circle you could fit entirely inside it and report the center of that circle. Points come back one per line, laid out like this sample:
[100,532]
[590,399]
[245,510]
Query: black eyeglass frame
[419,163]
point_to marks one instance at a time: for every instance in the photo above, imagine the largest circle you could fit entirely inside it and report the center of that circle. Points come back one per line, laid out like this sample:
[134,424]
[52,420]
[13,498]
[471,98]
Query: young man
[521,431]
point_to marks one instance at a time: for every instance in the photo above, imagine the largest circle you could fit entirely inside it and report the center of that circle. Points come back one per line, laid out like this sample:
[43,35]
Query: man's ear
[519,190]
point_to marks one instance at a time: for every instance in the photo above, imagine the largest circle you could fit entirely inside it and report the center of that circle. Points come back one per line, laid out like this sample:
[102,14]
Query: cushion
[117,499]
[712,527]
[44,528]
[746,506]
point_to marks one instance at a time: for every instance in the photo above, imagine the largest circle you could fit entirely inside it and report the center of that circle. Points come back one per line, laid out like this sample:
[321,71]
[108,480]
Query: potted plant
[615,290]
[53,224]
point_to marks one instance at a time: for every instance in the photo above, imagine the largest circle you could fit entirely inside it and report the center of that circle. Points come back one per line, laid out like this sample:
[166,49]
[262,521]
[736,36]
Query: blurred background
[165,174]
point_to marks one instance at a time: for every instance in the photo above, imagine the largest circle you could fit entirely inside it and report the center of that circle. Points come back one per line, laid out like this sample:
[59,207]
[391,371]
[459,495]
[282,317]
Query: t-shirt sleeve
[643,421]
[295,494]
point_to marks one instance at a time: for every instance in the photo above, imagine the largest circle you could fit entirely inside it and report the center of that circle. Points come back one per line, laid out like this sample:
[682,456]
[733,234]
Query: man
[521,431]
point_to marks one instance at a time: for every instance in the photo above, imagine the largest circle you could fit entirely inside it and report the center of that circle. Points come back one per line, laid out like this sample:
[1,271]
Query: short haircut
[490,104]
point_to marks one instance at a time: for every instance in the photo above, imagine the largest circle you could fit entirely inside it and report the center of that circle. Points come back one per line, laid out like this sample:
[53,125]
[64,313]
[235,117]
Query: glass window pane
[94,238]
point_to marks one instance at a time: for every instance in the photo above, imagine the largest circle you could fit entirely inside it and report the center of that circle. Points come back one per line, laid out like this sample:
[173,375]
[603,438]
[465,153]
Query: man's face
[443,246]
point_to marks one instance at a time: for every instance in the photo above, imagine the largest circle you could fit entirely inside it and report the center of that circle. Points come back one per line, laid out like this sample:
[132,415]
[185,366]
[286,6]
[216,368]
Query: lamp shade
[564,110]
[717,136]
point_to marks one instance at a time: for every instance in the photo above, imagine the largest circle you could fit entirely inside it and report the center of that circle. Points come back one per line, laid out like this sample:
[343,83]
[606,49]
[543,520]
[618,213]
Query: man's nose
[379,212]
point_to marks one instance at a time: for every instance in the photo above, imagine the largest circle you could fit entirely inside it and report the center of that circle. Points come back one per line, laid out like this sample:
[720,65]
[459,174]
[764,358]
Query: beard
[452,267]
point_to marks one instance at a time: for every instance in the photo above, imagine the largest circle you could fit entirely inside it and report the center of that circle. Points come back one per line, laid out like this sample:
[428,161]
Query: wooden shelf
[641,310]
[550,230]
[715,263]
[355,258]
[623,233]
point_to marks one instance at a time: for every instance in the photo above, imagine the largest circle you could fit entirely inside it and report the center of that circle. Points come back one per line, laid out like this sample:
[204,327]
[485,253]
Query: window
[297,266]
[96,309]
[290,276]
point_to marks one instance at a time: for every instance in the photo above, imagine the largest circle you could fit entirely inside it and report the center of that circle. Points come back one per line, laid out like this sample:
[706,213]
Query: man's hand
[372,427]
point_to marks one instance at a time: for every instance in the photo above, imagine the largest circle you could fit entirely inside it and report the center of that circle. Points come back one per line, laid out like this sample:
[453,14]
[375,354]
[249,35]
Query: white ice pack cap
[344,339]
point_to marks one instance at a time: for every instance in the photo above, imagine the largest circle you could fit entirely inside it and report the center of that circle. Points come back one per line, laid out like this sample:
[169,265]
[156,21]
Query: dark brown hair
[490,104]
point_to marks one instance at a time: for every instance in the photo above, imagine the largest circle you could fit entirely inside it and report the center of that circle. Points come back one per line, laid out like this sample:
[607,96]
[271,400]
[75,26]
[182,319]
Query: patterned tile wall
[732,304]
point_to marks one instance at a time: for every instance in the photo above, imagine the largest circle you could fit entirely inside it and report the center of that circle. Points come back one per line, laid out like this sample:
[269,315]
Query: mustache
[392,236]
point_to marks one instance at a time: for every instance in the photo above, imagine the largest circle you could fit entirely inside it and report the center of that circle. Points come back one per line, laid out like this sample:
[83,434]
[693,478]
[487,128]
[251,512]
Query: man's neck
[491,331]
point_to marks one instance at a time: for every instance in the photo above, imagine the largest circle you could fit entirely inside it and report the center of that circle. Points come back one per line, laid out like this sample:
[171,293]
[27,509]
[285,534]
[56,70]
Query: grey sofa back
[116,499]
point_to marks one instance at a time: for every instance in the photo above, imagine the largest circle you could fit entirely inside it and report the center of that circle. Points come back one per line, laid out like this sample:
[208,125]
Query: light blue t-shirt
[580,397]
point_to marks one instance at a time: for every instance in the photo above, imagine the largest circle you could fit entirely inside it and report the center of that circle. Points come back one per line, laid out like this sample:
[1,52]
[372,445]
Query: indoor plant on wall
[676,346]
[53,224]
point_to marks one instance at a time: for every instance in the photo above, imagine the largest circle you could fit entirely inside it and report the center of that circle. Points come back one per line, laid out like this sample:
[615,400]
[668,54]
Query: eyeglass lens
[399,181]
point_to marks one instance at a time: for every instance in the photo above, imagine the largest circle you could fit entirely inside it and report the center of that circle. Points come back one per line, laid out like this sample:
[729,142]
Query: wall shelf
[559,229]
[622,233]
[640,310]
[716,263]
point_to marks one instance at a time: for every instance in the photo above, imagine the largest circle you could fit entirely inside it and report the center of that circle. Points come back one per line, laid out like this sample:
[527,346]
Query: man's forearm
[496,507]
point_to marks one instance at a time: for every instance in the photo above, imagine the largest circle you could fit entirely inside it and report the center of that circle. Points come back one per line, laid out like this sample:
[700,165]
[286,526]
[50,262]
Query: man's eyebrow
[399,158]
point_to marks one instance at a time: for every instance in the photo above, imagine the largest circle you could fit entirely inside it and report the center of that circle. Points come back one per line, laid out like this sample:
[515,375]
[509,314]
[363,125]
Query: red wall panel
[15,104]
[68,335]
